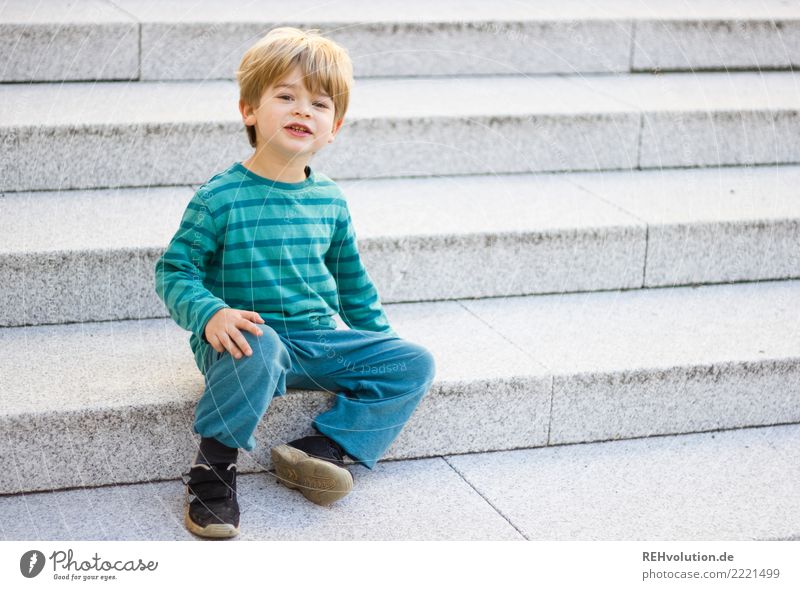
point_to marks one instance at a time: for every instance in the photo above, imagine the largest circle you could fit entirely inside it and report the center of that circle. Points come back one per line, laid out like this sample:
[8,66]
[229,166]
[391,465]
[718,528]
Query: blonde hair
[325,65]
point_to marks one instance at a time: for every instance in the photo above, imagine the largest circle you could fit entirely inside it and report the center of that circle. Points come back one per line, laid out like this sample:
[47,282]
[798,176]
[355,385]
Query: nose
[301,108]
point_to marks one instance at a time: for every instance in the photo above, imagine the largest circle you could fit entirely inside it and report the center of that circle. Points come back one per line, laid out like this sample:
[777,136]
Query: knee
[423,366]
[267,348]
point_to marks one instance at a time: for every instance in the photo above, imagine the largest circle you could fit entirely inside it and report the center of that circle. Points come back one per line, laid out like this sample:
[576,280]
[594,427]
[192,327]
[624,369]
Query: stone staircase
[587,211]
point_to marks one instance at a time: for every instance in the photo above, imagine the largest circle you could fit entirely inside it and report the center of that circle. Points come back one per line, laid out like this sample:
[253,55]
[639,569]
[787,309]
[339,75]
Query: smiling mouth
[301,129]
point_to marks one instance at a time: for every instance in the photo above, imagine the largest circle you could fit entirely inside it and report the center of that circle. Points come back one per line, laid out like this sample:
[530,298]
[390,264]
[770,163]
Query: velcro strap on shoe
[210,490]
[211,484]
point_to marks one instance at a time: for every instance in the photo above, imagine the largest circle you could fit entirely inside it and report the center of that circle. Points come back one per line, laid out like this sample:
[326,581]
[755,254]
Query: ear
[248,113]
[336,126]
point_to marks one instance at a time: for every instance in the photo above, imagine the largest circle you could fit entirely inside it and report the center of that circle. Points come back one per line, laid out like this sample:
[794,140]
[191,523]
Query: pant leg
[378,381]
[238,391]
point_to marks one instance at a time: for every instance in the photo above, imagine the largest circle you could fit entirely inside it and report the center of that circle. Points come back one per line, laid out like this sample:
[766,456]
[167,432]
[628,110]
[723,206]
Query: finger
[239,339]
[230,346]
[250,327]
[256,317]
[215,343]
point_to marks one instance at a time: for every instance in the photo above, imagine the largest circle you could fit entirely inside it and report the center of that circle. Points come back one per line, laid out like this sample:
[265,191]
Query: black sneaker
[212,509]
[315,466]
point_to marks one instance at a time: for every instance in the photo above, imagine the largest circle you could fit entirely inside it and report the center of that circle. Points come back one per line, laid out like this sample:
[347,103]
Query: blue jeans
[378,381]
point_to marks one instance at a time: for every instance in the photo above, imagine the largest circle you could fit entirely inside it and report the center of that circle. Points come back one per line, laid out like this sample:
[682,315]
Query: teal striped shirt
[287,251]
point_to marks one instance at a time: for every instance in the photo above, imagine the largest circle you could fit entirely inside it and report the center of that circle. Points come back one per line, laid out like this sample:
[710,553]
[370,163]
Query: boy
[264,257]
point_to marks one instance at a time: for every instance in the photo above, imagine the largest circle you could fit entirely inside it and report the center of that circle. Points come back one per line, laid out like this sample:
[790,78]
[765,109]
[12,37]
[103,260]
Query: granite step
[180,40]
[737,485]
[175,133]
[112,402]
[75,256]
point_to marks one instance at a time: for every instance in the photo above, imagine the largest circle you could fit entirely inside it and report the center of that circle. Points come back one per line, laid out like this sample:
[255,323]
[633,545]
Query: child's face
[289,102]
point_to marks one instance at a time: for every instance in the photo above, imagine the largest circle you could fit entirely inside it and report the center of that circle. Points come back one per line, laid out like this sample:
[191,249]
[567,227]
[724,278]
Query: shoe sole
[210,531]
[320,481]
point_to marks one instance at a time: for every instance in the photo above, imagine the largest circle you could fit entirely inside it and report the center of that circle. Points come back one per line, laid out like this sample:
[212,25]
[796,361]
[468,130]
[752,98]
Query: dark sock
[213,451]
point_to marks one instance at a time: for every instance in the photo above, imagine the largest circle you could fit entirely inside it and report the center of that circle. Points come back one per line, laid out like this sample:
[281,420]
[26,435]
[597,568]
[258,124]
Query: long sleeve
[359,303]
[181,269]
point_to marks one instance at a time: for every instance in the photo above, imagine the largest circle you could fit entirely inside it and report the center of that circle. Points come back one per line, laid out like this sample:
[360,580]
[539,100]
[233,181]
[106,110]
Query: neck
[274,167]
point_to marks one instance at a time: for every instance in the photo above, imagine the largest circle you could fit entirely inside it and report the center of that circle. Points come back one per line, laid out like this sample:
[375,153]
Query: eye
[321,104]
[285,96]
